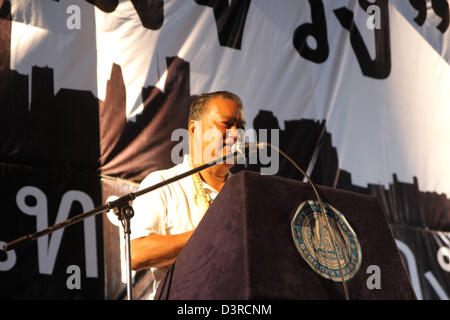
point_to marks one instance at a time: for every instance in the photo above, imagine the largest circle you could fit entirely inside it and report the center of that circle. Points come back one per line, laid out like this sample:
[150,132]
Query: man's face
[219,129]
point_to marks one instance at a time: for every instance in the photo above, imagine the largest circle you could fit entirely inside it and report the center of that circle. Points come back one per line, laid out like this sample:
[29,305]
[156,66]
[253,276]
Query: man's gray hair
[198,105]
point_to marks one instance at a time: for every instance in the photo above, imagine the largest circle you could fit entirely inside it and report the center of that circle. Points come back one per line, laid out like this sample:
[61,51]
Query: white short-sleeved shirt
[168,210]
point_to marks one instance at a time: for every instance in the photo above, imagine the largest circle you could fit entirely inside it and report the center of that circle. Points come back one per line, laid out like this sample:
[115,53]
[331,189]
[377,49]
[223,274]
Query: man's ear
[195,127]
[191,127]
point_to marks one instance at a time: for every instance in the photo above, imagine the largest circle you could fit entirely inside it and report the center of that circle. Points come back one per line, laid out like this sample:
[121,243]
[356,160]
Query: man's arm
[157,250]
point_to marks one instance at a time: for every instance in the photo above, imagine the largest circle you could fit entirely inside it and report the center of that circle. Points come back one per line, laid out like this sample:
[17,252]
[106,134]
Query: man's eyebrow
[230,117]
[240,121]
[225,116]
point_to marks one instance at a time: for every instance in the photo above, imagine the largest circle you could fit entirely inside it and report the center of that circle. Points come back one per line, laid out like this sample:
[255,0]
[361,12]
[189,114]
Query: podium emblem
[313,235]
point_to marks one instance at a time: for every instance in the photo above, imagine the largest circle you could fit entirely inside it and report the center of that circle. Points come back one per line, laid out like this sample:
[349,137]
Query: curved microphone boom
[241,147]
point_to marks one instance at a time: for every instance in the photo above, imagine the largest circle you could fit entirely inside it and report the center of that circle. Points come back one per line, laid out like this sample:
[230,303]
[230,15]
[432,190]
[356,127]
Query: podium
[244,249]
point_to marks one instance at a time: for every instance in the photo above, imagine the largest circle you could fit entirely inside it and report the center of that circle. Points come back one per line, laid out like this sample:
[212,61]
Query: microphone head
[239,147]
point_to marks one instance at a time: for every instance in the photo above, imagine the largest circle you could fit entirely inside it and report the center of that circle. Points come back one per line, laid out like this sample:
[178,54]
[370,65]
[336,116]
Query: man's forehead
[224,107]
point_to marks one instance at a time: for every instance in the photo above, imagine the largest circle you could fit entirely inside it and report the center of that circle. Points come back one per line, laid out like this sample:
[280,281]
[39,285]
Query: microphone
[241,147]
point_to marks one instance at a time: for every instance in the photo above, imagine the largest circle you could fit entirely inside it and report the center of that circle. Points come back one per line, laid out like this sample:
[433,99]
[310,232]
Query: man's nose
[233,132]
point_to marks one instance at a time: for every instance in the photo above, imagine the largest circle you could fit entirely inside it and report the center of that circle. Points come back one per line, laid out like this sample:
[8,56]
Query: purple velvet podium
[244,249]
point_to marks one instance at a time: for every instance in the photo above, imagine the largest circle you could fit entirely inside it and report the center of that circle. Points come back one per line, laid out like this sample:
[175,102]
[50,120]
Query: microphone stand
[122,208]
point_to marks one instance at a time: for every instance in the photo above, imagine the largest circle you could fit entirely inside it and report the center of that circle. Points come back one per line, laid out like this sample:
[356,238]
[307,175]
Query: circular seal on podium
[313,233]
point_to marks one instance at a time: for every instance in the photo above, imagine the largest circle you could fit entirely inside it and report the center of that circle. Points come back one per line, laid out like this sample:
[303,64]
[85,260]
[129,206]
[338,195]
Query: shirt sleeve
[150,209]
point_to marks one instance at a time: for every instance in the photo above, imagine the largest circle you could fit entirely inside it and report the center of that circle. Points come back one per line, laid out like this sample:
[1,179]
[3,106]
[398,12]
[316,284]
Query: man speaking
[165,218]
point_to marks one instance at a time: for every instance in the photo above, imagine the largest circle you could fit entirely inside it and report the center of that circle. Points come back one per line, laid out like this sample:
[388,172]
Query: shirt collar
[206,186]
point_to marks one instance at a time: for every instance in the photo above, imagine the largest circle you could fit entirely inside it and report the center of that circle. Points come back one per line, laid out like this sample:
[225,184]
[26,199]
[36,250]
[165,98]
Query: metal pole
[125,213]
